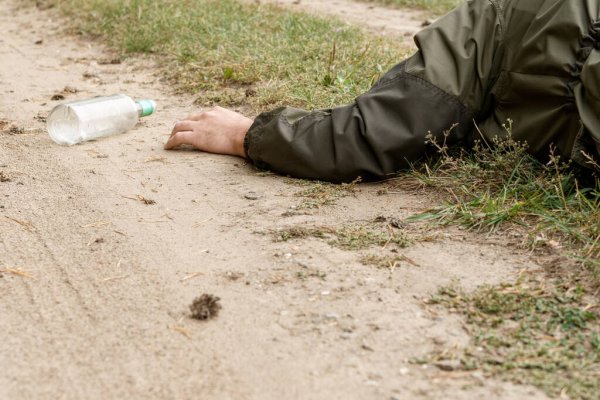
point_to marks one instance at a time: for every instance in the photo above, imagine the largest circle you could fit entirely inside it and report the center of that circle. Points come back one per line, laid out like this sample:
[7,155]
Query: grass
[242,54]
[348,237]
[543,332]
[501,186]
[531,332]
[318,194]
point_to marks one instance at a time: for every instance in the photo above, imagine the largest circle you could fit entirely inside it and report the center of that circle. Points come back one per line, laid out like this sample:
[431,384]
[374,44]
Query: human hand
[217,130]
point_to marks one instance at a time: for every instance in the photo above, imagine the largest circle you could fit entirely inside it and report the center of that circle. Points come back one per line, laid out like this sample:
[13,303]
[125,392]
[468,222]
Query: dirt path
[380,20]
[95,283]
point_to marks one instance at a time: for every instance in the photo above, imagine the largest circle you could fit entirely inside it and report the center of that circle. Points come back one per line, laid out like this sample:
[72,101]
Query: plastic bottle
[82,120]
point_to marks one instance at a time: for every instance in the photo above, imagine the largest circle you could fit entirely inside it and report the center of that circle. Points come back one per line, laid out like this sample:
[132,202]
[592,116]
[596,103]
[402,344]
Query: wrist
[240,149]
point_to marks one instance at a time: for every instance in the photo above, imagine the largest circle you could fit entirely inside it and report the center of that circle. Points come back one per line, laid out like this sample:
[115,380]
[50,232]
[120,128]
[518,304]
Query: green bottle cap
[147,107]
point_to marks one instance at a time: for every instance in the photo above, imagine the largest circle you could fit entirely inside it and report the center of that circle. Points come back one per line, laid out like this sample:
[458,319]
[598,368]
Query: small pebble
[449,365]
[252,196]
[332,316]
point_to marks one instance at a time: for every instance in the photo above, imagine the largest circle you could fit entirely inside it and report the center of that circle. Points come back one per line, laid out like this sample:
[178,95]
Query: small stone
[332,316]
[252,196]
[70,89]
[366,347]
[449,365]
[478,375]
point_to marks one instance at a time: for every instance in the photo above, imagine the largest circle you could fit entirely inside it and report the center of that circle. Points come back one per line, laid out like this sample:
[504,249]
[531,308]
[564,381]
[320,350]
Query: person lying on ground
[536,62]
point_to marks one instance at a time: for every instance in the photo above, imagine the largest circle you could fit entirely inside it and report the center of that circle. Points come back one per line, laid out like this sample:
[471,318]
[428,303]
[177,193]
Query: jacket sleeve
[384,129]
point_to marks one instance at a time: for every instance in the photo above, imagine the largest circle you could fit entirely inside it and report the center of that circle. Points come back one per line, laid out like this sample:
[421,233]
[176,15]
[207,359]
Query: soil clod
[205,307]
[16,130]
[70,89]
[449,365]
[109,61]
[252,196]
[4,178]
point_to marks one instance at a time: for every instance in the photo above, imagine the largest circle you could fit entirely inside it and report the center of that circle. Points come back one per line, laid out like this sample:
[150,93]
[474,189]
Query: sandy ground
[380,20]
[100,307]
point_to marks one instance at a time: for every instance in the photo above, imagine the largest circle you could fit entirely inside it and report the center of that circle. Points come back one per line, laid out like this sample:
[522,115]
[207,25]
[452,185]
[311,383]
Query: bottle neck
[145,107]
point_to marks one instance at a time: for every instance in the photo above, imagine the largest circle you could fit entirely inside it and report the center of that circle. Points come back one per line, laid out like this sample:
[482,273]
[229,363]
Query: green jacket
[536,62]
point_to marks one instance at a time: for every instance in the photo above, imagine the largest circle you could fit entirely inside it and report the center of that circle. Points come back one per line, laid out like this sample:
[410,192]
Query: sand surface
[401,23]
[96,284]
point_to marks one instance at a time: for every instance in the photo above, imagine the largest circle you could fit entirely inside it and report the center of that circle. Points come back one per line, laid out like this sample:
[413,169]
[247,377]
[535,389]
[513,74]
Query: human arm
[384,130]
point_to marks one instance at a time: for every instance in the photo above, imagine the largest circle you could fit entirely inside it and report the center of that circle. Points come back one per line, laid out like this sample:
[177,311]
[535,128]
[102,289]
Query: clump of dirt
[147,201]
[4,178]
[205,307]
[70,89]
[109,61]
[16,130]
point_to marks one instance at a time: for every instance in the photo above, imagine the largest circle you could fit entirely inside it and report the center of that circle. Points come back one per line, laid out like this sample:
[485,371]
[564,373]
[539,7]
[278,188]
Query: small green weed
[358,237]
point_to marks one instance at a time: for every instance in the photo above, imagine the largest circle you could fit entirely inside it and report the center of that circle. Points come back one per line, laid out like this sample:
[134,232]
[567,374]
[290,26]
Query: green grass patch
[547,332]
[531,332]
[500,186]
[242,54]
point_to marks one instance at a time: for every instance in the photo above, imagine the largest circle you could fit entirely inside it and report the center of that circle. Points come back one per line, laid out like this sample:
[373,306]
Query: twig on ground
[97,224]
[18,272]
[191,275]
[115,278]
[25,224]
[181,330]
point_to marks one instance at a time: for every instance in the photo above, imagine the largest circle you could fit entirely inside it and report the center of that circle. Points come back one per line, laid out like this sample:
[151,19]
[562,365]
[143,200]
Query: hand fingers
[195,117]
[183,126]
[179,138]
[204,113]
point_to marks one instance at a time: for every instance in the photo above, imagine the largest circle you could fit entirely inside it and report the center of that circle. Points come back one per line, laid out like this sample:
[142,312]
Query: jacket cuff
[254,136]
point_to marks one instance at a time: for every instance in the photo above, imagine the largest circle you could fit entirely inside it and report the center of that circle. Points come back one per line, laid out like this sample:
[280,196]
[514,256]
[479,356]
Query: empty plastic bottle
[82,120]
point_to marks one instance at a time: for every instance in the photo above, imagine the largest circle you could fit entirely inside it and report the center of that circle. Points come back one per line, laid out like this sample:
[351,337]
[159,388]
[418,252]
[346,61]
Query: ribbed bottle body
[82,120]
